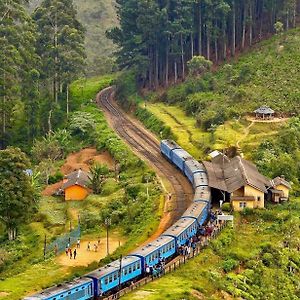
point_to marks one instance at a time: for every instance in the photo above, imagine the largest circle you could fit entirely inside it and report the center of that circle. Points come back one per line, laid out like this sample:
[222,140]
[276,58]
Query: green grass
[204,277]
[182,126]
[198,142]
[134,216]
[84,90]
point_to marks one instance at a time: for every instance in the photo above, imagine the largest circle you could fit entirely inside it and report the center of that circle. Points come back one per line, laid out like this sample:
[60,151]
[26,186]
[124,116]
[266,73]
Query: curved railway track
[146,146]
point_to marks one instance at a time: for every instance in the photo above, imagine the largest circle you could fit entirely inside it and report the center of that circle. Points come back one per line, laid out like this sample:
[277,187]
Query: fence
[60,243]
[171,266]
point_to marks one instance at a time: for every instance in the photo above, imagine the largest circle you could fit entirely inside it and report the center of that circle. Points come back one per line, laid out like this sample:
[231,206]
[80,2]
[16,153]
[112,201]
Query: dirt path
[246,132]
[85,257]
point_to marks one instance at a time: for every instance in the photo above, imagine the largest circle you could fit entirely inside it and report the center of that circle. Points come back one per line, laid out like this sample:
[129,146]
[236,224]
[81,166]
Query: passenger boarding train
[106,280]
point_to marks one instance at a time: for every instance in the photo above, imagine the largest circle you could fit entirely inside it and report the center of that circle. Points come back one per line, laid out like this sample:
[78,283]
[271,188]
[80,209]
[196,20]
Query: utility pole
[45,245]
[120,273]
[107,224]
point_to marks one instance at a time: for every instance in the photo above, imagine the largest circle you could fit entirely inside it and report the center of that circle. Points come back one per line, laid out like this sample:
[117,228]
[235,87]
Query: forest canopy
[158,37]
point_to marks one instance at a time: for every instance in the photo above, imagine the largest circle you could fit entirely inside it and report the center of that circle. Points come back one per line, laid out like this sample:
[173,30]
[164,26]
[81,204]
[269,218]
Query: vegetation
[158,38]
[15,207]
[257,259]
[124,199]
[96,16]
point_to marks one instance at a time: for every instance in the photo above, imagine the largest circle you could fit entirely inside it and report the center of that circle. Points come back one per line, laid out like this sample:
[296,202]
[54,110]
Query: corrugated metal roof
[230,175]
[280,181]
[79,177]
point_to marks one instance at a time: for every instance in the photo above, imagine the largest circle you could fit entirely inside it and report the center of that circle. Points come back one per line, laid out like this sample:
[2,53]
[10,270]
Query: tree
[17,60]
[157,38]
[97,177]
[198,65]
[60,45]
[18,199]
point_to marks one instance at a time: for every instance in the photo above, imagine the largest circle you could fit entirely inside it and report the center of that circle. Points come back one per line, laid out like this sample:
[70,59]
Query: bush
[154,124]
[226,207]
[58,176]
[229,264]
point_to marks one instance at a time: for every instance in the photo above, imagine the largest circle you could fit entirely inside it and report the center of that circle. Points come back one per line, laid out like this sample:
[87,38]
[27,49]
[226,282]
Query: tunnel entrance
[217,195]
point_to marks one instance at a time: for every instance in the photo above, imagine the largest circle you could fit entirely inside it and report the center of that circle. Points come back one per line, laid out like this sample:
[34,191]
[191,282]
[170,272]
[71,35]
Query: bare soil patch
[85,257]
[83,159]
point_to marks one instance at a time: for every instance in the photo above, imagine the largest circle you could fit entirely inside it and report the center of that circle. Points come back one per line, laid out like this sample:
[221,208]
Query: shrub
[82,124]
[229,264]
[226,207]
[58,176]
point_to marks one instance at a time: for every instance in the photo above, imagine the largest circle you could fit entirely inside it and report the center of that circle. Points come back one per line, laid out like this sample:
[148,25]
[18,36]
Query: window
[134,268]
[243,204]
[106,280]
[130,270]
[110,278]
[125,271]
[258,198]
[138,265]
[115,276]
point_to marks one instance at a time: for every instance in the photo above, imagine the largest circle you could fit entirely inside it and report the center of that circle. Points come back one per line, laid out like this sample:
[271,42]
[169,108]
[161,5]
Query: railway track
[146,146]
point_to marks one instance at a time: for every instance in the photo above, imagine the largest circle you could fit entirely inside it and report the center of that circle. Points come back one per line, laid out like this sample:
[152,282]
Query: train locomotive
[132,267]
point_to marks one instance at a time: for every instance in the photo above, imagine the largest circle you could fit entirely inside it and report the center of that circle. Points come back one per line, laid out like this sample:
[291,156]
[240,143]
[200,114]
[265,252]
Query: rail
[172,265]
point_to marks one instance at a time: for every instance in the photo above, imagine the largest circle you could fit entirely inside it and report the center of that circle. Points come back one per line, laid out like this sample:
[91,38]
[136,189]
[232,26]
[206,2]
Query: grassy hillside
[134,215]
[248,262]
[97,16]
[267,74]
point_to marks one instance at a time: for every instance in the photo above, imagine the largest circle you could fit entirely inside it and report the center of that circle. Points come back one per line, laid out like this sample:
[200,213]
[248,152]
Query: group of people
[96,246]
[157,270]
[71,253]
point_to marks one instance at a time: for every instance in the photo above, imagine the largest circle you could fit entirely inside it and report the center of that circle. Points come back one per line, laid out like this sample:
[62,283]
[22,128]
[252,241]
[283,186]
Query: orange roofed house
[75,186]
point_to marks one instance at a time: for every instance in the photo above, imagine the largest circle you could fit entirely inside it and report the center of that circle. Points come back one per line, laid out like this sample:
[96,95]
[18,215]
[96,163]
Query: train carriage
[179,156]
[198,211]
[78,289]
[167,147]
[131,267]
[163,247]
[108,278]
[182,230]
[202,193]
[200,179]
[192,167]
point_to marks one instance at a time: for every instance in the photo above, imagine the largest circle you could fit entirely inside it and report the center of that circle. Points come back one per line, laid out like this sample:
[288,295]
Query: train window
[134,268]
[115,276]
[125,271]
[129,270]
[69,293]
[110,278]
[138,265]
[106,280]
[82,288]
[61,296]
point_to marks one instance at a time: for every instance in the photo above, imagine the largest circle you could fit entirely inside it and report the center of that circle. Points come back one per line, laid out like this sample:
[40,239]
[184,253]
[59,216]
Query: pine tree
[60,45]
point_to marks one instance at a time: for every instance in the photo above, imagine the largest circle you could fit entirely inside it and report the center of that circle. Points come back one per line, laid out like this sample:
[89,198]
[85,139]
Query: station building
[240,182]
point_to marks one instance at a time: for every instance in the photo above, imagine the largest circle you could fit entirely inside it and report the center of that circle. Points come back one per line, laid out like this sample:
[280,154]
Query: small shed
[264,112]
[280,190]
[75,186]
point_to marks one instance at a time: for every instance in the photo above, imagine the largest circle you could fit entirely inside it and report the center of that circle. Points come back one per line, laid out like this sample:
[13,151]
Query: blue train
[107,279]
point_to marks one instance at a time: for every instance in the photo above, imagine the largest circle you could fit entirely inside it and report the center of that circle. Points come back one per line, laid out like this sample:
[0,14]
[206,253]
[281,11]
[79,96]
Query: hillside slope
[267,74]
[97,16]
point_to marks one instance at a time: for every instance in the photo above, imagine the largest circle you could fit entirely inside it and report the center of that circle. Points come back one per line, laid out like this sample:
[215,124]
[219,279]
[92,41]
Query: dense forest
[159,37]
[96,16]
[40,55]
